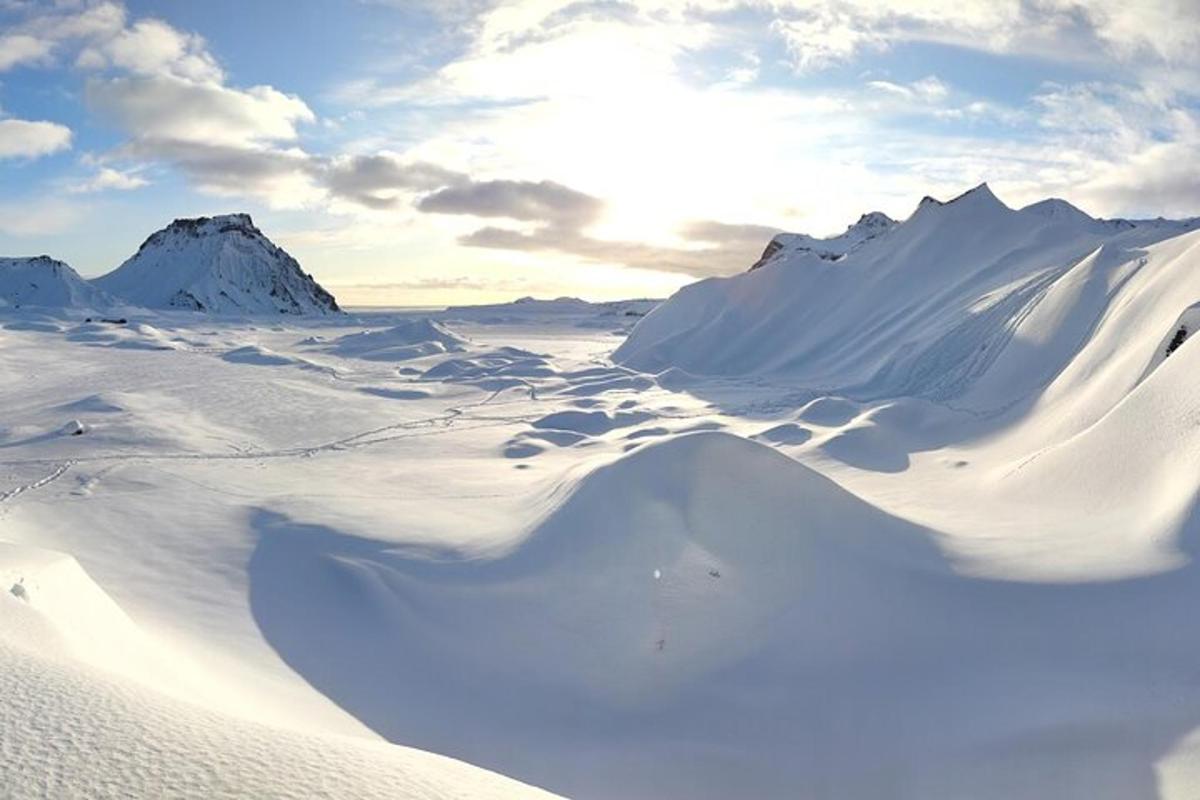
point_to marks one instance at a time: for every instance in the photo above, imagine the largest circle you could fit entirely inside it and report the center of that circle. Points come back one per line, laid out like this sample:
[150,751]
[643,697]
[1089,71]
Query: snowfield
[911,514]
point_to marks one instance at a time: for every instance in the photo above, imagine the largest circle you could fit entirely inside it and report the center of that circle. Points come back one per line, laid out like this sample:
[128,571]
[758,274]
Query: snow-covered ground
[924,528]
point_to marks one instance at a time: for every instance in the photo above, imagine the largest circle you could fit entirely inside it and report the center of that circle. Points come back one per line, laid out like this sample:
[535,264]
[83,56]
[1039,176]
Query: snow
[915,522]
[868,227]
[410,339]
[42,281]
[78,722]
[221,265]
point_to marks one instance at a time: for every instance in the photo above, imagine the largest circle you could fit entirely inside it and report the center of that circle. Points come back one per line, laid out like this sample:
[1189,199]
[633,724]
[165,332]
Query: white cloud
[16,49]
[21,138]
[179,109]
[107,178]
[167,92]
[153,48]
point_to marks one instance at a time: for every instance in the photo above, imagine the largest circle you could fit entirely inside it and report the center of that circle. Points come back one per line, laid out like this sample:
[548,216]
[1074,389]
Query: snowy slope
[42,281]
[219,265]
[920,311]
[785,245]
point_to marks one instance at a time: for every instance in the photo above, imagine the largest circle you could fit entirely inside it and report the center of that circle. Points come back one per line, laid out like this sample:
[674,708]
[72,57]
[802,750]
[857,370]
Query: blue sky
[413,151]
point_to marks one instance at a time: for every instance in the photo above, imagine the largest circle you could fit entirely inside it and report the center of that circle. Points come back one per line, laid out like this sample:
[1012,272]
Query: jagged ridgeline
[218,264]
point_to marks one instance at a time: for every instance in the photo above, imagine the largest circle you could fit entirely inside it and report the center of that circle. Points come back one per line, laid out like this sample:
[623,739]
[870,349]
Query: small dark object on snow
[715,573]
[117,321]
[1179,338]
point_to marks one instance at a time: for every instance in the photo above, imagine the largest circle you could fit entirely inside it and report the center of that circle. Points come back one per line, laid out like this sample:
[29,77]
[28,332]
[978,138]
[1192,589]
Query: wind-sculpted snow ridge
[941,305]
[44,282]
[219,265]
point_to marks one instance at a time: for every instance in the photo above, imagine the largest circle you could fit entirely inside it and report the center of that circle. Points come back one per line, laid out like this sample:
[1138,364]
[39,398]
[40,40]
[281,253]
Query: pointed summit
[980,197]
[222,265]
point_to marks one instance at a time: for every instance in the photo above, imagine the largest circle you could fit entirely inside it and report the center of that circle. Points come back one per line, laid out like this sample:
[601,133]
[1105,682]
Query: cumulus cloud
[175,109]
[16,49]
[167,92]
[281,177]
[152,47]
[21,138]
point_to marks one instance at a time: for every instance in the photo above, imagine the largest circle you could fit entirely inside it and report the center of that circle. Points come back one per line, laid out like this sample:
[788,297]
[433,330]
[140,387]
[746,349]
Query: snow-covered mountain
[219,265]
[922,309]
[43,281]
[783,245]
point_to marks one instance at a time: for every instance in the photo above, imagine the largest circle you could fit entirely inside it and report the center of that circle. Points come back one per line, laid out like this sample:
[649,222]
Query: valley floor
[240,558]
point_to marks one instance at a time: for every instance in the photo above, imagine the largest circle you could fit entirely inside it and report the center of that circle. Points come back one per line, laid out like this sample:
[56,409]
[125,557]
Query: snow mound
[43,281]
[122,334]
[591,423]
[656,582]
[220,265]
[409,339]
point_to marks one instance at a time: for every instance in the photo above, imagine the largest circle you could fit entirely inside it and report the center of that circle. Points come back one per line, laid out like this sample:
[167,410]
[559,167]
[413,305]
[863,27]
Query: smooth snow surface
[916,522]
[221,265]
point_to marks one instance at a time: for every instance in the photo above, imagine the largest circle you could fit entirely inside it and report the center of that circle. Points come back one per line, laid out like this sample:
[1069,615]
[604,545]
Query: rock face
[220,265]
[43,281]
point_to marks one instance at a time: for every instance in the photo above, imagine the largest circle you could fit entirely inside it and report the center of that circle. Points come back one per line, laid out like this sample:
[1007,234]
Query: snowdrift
[411,338]
[665,613]
[640,610]
[221,265]
[83,686]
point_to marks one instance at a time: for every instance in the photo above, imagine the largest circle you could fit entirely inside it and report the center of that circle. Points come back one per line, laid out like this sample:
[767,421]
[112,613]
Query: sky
[426,152]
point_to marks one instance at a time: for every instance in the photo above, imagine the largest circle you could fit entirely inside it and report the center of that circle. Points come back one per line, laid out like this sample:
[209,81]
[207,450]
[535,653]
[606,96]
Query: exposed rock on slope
[869,226]
[43,281]
[220,265]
